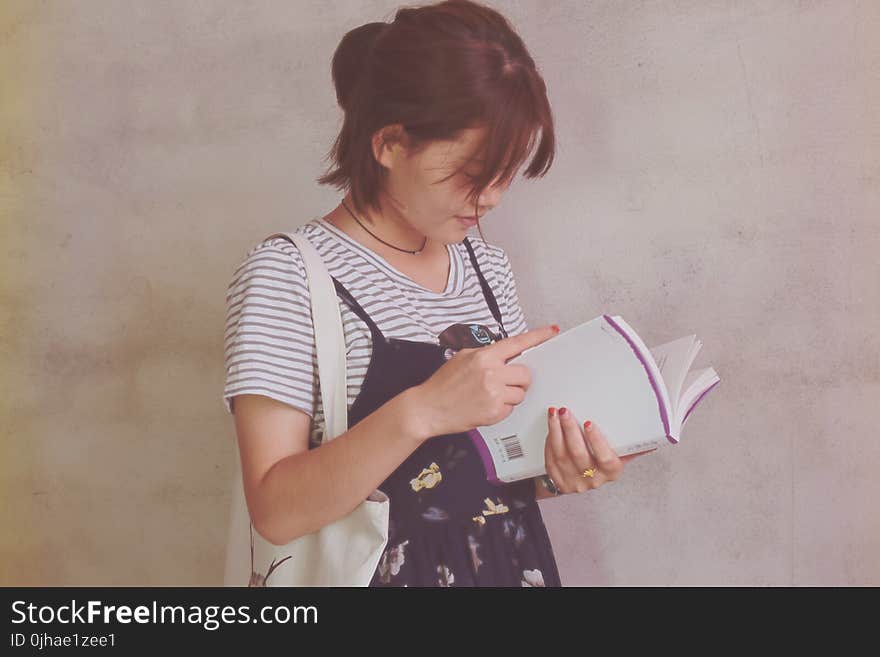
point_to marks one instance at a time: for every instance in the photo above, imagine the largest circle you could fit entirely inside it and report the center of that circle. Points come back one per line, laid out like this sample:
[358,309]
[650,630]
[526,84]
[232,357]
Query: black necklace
[416,252]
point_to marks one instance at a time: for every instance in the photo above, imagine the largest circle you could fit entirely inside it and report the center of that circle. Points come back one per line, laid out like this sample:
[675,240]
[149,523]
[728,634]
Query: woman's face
[415,195]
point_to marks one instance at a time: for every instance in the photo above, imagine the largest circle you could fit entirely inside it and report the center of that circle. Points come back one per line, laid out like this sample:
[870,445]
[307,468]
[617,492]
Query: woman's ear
[389,145]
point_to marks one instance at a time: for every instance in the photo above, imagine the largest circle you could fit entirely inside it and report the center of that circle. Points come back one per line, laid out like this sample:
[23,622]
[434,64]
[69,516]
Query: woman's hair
[437,70]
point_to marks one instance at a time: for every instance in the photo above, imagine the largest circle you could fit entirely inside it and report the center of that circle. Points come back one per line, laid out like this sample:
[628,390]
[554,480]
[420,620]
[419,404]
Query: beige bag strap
[345,552]
[329,337]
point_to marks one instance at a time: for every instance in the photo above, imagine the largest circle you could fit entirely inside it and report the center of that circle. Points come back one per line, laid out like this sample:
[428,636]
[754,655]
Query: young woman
[442,107]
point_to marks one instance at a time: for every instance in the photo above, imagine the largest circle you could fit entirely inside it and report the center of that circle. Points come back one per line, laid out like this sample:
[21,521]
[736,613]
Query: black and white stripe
[269,343]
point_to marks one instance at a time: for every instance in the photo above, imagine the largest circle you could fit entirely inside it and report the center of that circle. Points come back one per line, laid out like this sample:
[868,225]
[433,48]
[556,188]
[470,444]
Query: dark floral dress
[448,525]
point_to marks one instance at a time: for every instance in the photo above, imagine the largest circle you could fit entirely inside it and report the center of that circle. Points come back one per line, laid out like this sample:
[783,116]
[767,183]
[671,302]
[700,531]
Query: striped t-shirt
[269,340]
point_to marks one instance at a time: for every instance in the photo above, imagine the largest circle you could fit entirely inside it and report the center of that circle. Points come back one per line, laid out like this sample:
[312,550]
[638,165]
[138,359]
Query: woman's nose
[491,195]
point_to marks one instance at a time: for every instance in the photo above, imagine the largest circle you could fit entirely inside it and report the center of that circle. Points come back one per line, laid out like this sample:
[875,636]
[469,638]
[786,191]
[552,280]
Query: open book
[602,371]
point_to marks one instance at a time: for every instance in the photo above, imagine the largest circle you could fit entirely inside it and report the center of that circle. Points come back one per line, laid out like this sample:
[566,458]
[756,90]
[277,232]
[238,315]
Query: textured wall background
[717,174]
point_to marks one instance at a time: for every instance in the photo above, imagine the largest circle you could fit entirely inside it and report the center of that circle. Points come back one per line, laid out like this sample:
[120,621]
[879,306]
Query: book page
[696,386]
[674,360]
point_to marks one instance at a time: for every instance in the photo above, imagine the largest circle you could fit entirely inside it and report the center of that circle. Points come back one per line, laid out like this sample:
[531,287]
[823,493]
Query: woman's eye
[468,180]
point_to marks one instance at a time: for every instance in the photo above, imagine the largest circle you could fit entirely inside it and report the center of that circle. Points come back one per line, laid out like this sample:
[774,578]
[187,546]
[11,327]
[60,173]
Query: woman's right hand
[477,387]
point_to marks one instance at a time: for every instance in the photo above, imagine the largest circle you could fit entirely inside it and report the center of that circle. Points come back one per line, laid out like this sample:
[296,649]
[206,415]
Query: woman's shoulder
[273,261]
[277,243]
[486,253]
[276,248]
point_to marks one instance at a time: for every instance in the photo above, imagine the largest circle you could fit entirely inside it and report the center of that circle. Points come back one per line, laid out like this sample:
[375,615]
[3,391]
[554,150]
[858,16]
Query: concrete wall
[717,174]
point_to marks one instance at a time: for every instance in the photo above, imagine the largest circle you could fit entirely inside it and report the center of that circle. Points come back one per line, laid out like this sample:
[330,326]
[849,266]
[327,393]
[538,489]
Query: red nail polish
[587,425]
[562,411]
[552,411]
[555,328]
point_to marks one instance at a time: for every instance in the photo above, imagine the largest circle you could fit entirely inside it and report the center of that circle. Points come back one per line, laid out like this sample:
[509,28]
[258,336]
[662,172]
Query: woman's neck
[387,230]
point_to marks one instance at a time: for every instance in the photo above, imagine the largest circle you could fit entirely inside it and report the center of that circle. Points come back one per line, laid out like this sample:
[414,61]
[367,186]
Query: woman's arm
[292,490]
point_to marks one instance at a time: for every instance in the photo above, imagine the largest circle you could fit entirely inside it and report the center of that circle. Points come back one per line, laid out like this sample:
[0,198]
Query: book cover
[604,372]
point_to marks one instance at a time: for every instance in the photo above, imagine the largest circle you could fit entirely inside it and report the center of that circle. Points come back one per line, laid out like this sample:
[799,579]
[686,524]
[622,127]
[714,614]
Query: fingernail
[552,411]
[562,411]
[587,425]
[555,328]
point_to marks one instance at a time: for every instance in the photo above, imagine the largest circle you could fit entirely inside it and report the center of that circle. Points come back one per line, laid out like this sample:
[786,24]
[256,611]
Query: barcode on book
[512,447]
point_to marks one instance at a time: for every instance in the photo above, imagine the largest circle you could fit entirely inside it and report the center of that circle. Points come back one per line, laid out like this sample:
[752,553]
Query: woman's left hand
[579,460]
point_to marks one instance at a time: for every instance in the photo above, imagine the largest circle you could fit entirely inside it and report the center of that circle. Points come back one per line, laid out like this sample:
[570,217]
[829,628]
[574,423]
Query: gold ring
[589,472]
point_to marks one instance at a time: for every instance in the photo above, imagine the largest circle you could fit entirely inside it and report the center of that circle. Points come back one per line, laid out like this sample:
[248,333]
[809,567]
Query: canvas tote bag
[345,552]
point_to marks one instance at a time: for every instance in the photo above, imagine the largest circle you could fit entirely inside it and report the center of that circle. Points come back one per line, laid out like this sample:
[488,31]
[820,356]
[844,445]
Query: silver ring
[550,485]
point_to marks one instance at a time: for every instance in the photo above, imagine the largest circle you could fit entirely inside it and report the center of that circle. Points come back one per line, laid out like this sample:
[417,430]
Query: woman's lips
[467,221]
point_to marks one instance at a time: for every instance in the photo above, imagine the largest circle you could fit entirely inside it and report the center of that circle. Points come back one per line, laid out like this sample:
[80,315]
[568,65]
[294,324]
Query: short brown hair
[437,70]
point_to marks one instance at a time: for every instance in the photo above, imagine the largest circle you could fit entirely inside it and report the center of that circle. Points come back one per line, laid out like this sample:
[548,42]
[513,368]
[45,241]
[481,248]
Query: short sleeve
[269,343]
[514,318]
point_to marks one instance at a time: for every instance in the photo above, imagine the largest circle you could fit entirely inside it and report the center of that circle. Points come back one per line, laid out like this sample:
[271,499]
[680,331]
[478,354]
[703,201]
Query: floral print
[473,546]
[429,477]
[464,532]
[259,579]
[391,561]
[515,531]
[445,577]
[532,578]
[492,508]
[433,514]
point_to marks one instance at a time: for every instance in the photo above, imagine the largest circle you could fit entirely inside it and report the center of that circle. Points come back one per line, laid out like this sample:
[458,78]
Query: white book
[602,371]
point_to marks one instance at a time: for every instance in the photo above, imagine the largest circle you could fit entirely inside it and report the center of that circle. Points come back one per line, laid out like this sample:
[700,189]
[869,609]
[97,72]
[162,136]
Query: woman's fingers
[578,455]
[556,457]
[554,449]
[556,475]
[566,455]
[570,451]
[606,458]
[514,374]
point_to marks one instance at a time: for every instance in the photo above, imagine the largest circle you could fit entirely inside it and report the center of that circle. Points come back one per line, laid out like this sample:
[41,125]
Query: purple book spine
[485,456]
[698,400]
[654,385]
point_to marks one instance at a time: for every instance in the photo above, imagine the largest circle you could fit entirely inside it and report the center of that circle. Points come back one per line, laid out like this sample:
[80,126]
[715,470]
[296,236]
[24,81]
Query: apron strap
[378,336]
[487,291]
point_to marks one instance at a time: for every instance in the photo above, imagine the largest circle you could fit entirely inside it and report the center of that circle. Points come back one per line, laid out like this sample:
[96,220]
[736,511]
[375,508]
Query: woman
[442,107]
